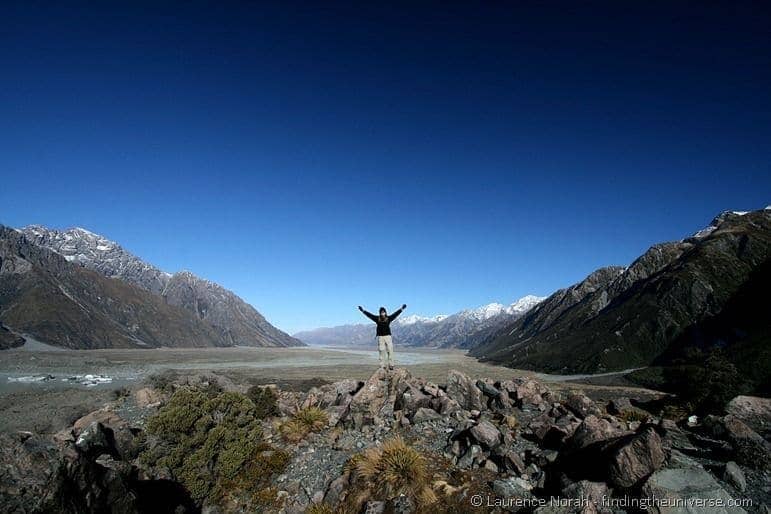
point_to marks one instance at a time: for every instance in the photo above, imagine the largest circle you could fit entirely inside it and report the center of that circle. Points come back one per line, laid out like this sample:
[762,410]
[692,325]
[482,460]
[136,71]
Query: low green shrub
[213,445]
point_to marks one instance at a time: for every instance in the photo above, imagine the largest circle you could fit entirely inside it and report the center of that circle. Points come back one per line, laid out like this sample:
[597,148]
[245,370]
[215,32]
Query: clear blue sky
[444,155]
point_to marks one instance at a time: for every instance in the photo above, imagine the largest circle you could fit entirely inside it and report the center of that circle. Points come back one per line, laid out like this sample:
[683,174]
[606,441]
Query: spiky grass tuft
[393,469]
[305,420]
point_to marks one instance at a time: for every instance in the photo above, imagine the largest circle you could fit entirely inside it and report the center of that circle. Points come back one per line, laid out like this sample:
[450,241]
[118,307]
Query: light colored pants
[386,348]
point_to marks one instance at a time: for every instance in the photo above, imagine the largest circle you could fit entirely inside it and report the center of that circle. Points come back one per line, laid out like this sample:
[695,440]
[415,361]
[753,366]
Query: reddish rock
[636,459]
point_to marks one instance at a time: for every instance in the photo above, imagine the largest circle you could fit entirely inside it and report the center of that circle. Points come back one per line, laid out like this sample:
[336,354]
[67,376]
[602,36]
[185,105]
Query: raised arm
[368,314]
[395,315]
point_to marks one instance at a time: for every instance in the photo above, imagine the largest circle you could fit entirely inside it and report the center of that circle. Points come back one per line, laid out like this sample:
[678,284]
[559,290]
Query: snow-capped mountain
[460,330]
[239,322]
[98,253]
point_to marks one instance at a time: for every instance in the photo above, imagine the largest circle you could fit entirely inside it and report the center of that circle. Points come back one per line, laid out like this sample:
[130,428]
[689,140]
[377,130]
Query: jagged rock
[95,440]
[551,432]
[734,475]
[510,489]
[376,399]
[337,489]
[593,430]
[425,414]
[410,398]
[618,405]
[635,460]
[510,460]
[432,390]
[486,433]
[445,405]
[526,391]
[751,449]
[488,389]
[686,484]
[474,455]
[753,411]
[586,489]
[461,389]
[581,405]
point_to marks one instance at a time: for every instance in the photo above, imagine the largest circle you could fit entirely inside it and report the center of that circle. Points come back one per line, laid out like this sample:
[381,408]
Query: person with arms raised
[384,342]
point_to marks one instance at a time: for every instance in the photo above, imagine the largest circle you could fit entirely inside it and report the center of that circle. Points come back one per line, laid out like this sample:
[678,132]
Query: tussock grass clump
[319,508]
[212,444]
[634,415]
[390,470]
[305,420]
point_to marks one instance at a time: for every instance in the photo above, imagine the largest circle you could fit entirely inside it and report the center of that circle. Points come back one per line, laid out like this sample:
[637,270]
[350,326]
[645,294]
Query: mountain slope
[459,330]
[622,318]
[238,322]
[64,304]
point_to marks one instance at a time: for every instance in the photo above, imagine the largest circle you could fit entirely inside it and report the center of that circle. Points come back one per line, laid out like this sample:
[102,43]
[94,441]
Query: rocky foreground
[394,443]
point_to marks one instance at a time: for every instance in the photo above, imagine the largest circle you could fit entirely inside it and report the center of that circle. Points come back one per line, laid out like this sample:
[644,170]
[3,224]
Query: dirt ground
[49,405]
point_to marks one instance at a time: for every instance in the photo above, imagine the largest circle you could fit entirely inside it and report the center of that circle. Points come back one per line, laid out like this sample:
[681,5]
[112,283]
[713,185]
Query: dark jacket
[383,326]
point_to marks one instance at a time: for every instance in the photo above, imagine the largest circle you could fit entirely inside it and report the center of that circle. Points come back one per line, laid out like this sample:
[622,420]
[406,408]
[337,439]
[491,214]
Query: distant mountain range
[78,289]
[677,301]
[459,330]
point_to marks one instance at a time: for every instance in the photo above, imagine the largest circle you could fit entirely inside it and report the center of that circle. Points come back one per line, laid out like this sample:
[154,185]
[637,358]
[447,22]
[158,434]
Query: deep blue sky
[445,155]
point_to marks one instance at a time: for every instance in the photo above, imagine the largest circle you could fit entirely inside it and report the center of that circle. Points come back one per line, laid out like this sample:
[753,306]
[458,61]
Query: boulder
[488,389]
[410,398]
[581,405]
[638,457]
[510,489]
[461,389]
[694,485]
[734,475]
[551,432]
[750,448]
[473,456]
[95,440]
[593,430]
[374,402]
[584,489]
[509,460]
[486,434]
[424,414]
[526,391]
[445,405]
[753,411]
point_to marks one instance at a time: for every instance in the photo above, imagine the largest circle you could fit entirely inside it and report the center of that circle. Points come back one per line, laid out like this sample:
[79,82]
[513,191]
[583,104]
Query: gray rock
[474,455]
[94,440]
[581,405]
[751,449]
[461,389]
[486,434]
[686,484]
[424,414]
[753,411]
[734,475]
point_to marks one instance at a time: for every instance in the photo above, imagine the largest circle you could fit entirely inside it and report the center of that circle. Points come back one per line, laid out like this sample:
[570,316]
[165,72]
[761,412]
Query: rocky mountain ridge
[64,304]
[619,318]
[238,322]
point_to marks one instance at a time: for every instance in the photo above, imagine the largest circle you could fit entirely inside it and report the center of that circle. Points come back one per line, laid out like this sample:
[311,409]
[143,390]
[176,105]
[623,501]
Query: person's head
[383,313]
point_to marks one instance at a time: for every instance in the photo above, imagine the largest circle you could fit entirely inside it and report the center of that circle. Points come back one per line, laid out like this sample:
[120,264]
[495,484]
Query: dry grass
[304,421]
[390,470]
[319,508]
